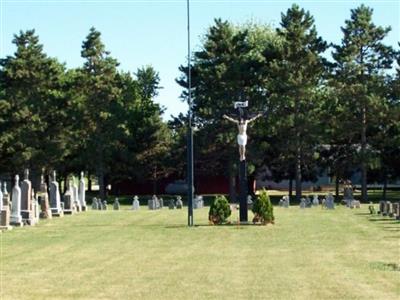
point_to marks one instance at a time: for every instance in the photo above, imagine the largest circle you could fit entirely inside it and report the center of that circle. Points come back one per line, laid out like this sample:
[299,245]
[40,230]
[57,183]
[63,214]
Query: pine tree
[361,60]
[100,88]
[295,96]
[32,115]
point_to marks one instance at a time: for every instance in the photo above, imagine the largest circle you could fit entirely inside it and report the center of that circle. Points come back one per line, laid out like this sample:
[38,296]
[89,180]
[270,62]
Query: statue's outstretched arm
[230,119]
[254,118]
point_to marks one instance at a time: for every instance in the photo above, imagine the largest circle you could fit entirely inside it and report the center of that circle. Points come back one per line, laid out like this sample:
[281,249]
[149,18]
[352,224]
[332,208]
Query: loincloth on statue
[242,139]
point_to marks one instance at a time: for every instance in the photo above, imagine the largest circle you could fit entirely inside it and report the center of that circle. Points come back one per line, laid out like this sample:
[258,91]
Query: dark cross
[243,118]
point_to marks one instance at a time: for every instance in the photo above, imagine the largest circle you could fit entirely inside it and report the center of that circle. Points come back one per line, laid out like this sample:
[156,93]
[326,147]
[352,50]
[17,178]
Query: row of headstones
[153,204]
[25,207]
[327,202]
[387,208]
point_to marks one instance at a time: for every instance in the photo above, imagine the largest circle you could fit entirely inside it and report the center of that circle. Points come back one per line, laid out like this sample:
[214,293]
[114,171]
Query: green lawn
[307,254]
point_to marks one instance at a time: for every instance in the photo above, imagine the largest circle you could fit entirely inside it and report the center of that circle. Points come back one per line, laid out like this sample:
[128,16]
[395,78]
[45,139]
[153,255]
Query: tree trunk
[337,188]
[364,196]
[89,182]
[290,189]
[384,186]
[155,181]
[298,174]
[100,178]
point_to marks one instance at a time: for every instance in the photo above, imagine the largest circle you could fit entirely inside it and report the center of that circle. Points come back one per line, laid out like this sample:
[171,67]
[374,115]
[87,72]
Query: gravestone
[94,203]
[116,205]
[249,202]
[55,197]
[161,200]
[198,202]
[284,202]
[4,211]
[6,196]
[77,204]
[382,205]
[329,202]
[152,203]
[308,202]
[1,198]
[35,208]
[104,206]
[171,204]
[82,193]
[348,194]
[315,201]
[43,198]
[355,204]
[100,204]
[69,200]
[135,203]
[26,200]
[303,203]
[389,209]
[179,203]
[371,208]
[16,219]
[396,209]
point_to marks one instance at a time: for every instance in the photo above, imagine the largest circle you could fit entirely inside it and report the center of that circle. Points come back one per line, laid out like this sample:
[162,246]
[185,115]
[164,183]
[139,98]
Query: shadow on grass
[362,214]
[231,225]
[381,220]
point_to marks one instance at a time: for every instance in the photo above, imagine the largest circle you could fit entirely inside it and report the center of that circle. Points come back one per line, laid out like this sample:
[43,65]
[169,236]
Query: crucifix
[242,120]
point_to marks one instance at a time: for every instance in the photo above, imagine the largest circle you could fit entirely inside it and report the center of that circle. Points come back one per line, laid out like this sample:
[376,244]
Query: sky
[140,33]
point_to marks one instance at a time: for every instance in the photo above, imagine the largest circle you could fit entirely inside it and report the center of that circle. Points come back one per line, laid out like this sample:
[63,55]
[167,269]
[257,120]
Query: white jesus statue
[242,136]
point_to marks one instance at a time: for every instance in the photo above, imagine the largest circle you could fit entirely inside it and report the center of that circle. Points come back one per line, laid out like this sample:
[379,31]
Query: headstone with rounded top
[68,199]
[16,218]
[4,212]
[116,205]
[55,197]
[82,193]
[135,203]
[43,199]
[179,203]
[26,200]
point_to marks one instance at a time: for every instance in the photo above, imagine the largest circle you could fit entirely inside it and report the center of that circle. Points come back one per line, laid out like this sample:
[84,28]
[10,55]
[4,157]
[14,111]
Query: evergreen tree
[295,98]
[361,60]
[32,115]
[100,89]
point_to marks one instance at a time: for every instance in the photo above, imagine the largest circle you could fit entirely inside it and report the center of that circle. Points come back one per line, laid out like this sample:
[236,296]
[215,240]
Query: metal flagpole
[190,131]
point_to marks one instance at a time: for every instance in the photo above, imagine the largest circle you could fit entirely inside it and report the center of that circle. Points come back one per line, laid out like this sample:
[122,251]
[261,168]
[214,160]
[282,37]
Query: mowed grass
[307,254]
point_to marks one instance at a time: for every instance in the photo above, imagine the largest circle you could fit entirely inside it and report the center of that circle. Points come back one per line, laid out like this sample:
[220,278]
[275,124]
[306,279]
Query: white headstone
[135,203]
[315,200]
[55,197]
[1,198]
[16,218]
[82,191]
[26,199]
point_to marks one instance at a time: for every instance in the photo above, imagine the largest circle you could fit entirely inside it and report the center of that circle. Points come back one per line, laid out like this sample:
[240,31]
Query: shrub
[219,210]
[263,209]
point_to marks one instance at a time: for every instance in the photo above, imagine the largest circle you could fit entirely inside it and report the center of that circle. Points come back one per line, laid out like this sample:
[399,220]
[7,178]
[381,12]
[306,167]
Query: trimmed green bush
[219,210]
[263,209]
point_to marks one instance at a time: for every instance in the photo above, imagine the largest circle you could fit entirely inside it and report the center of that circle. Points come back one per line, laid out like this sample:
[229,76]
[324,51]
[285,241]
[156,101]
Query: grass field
[307,254]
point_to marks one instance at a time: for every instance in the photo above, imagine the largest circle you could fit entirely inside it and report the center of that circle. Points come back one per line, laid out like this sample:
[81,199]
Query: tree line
[338,112]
